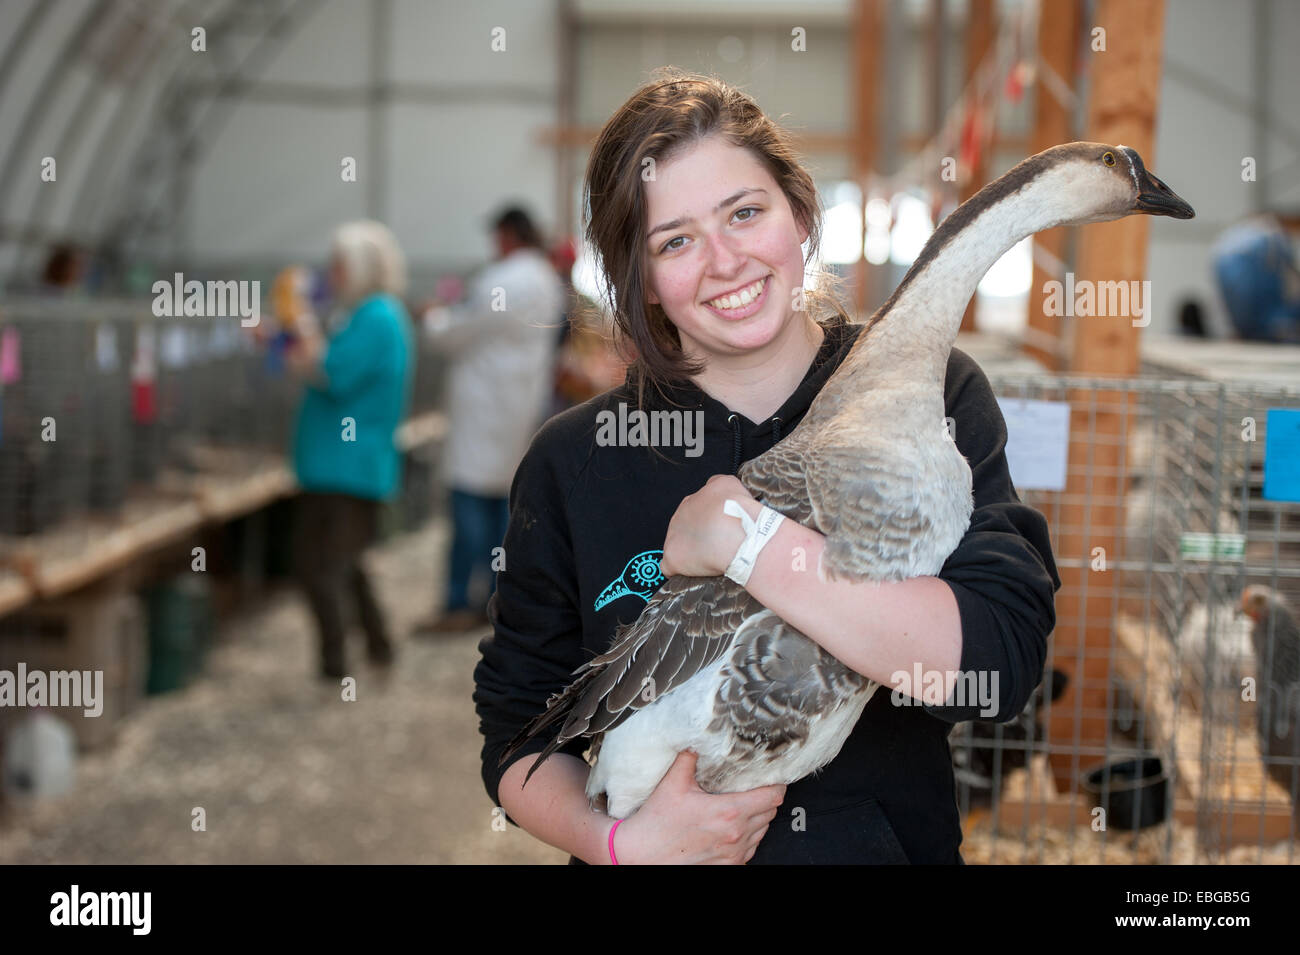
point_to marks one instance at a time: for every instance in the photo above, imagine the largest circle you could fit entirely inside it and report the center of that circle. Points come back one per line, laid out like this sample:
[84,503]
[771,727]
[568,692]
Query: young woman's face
[750,242]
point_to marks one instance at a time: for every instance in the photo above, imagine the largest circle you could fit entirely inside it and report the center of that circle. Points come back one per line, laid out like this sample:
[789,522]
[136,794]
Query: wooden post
[1058,38]
[936,55]
[565,114]
[868,24]
[1122,109]
[979,40]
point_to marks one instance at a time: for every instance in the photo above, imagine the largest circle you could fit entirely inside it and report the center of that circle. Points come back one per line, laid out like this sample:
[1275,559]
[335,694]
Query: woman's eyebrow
[681,221]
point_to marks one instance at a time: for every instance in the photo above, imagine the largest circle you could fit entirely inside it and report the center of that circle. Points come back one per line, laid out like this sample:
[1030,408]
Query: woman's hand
[681,823]
[702,538]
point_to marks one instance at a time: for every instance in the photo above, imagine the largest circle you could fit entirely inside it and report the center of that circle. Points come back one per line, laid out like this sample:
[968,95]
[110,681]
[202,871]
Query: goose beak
[1154,197]
[1157,199]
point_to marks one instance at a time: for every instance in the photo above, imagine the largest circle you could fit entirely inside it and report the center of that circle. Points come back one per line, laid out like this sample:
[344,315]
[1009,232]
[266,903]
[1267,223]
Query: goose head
[1071,184]
[1256,602]
[1098,182]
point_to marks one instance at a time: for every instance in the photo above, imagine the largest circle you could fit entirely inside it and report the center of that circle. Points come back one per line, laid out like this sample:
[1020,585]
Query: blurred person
[64,270]
[502,343]
[358,381]
[1255,268]
[563,255]
[587,362]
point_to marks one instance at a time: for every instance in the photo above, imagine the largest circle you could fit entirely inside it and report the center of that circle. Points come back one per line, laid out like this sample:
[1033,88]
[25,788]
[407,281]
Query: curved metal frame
[92,196]
[208,122]
[88,197]
[55,76]
[66,140]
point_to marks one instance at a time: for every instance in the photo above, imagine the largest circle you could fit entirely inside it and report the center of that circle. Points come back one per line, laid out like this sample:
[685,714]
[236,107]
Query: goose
[1215,645]
[872,467]
[1275,634]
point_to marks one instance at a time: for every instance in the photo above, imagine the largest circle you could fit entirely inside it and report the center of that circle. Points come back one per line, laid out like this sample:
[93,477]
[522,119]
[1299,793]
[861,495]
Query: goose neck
[918,325]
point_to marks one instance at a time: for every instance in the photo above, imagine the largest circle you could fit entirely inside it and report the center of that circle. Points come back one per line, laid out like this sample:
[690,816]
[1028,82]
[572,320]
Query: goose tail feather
[558,707]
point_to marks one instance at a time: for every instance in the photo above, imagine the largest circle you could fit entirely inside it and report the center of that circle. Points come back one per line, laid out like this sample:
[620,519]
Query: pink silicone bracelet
[613,858]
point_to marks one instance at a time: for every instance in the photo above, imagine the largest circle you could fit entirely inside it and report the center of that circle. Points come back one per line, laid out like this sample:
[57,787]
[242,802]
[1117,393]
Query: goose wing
[685,627]
[779,478]
[864,499]
[776,683]
[877,508]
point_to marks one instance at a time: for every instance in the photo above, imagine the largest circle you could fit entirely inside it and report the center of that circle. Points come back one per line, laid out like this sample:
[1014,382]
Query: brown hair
[674,111]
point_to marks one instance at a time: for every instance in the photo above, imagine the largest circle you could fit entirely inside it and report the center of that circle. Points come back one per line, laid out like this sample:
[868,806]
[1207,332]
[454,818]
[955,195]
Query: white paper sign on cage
[1038,442]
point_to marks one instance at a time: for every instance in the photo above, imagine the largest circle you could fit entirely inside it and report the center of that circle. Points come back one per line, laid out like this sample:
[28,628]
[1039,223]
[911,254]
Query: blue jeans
[478,526]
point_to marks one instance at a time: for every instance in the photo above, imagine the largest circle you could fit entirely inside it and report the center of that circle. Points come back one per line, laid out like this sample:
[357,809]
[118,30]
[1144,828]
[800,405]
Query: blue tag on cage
[1282,455]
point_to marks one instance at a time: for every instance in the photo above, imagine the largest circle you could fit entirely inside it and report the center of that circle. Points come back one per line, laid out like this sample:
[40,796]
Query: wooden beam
[1124,101]
[1058,36]
[979,41]
[868,24]
[1125,90]
[565,110]
[584,137]
[935,49]
[229,484]
[15,591]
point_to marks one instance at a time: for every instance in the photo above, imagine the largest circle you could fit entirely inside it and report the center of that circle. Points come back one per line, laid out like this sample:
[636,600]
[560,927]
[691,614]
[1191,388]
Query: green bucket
[180,631]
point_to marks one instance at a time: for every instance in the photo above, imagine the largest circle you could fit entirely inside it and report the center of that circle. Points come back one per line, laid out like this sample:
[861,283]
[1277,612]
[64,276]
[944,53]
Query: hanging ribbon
[11,366]
[144,374]
[971,141]
[1016,79]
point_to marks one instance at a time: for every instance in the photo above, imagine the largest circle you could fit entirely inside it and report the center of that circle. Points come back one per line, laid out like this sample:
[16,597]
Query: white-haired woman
[358,377]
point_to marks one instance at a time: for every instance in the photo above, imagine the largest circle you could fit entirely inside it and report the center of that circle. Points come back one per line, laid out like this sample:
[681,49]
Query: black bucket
[1136,795]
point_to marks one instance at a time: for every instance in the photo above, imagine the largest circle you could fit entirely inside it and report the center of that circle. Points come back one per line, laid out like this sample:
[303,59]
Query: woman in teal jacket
[358,382]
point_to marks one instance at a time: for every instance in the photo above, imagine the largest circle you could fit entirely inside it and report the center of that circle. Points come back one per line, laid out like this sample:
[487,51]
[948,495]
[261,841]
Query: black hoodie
[587,526]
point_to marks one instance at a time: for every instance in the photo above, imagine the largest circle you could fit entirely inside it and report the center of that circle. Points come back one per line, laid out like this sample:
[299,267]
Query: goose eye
[1108,159]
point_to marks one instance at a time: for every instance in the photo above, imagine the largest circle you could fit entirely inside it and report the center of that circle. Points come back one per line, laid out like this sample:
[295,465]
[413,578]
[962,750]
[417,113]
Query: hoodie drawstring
[734,420]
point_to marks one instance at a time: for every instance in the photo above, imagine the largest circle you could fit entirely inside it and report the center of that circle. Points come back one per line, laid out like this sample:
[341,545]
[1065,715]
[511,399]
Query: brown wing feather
[775,681]
[683,629]
[778,478]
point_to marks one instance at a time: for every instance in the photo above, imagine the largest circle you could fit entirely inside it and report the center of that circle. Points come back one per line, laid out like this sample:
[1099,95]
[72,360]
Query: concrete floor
[285,770]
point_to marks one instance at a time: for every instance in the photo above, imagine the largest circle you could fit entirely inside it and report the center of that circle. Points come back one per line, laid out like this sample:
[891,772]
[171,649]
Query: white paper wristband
[757,534]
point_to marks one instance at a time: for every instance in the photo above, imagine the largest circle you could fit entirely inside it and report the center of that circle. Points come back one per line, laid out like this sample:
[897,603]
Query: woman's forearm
[876,629]
[554,806]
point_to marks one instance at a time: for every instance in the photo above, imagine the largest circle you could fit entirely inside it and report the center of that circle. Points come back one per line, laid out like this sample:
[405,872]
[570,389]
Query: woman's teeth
[739,299]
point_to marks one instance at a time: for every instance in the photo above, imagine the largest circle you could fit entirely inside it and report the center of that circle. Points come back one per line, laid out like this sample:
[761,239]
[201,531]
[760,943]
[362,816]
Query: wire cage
[102,403]
[107,379]
[51,426]
[1150,739]
[99,397]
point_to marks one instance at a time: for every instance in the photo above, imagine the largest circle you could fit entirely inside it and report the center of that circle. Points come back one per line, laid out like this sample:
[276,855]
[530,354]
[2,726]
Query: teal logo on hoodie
[640,578]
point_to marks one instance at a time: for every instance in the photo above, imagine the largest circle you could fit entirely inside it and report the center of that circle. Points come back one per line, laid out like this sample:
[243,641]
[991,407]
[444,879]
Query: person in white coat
[502,343]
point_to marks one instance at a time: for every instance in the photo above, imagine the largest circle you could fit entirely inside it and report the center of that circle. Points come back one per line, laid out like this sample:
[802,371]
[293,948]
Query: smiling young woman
[729,274]
[700,214]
